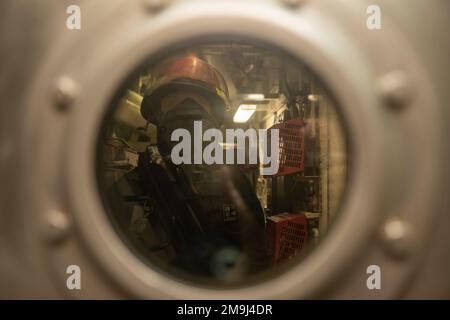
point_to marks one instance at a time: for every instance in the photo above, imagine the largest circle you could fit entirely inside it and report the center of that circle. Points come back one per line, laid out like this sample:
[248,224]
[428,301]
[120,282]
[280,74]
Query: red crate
[291,146]
[287,235]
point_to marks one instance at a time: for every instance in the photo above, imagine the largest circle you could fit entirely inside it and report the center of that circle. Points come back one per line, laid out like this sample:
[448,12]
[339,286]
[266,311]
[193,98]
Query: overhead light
[255,96]
[313,97]
[225,146]
[244,113]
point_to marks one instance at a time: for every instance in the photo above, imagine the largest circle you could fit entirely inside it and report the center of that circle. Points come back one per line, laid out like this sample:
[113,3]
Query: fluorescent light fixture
[313,97]
[255,96]
[244,113]
[224,145]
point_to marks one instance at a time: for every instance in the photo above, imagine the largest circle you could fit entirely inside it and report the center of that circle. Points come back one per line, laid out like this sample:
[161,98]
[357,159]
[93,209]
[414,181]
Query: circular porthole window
[221,163]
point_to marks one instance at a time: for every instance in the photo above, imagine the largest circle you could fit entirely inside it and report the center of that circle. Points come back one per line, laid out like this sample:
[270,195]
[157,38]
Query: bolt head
[397,237]
[66,90]
[57,225]
[394,89]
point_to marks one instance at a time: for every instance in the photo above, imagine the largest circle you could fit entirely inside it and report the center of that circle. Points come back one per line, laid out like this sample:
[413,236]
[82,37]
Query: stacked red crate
[287,235]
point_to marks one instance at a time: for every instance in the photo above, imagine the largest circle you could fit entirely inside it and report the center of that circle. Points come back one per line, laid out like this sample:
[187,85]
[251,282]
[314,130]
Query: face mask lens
[223,163]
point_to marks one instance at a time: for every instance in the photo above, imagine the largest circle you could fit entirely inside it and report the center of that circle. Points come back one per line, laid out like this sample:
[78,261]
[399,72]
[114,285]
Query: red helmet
[187,77]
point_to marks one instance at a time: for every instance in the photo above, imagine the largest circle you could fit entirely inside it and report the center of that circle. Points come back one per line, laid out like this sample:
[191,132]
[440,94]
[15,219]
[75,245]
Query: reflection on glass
[222,162]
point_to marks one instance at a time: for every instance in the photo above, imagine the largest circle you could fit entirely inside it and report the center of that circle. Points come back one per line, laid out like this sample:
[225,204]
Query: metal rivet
[397,237]
[66,90]
[394,89]
[154,6]
[292,3]
[57,225]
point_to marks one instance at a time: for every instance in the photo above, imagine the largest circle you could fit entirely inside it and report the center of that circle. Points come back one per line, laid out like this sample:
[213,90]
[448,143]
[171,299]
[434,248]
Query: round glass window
[222,163]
